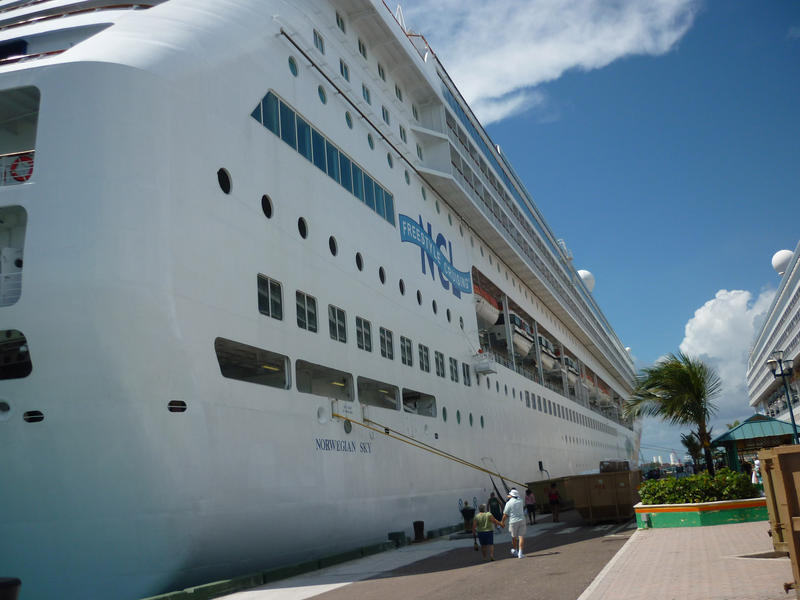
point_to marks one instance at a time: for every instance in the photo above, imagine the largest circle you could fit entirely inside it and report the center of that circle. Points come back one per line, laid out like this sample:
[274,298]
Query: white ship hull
[136,262]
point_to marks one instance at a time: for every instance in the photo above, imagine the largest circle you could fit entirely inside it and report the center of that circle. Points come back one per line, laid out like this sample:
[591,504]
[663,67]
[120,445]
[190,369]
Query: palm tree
[678,389]
[692,445]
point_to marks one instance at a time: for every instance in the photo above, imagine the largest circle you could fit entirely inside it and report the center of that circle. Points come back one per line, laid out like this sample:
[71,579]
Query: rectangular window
[319,42]
[358,183]
[269,112]
[466,373]
[333,160]
[366,94]
[303,138]
[340,22]
[398,92]
[385,115]
[439,360]
[380,206]
[378,393]
[363,334]
[251,364]
[381,72]
[403,134]
[387,344]
[344,70]
[424,359]
[345,172]
[362,48]
[306,311]
[419,152]
[539,402]
[389,202]
[419,403]
[337,324]
[318,146]
[288,134]
[406,351]
[320,380]
[270,302]
[453,369]
[369,191]
[527,399]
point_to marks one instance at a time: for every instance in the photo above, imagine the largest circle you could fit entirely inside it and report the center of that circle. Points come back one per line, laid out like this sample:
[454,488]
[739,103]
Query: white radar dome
[781,260]
[587,278]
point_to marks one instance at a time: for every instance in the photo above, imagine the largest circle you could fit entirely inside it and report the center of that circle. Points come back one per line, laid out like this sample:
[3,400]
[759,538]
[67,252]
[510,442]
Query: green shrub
[726,485]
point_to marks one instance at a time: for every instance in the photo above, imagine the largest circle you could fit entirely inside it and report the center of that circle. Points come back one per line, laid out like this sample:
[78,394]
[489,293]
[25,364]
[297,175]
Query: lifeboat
[572,370]
[549,355]
[520,331]
[487,309]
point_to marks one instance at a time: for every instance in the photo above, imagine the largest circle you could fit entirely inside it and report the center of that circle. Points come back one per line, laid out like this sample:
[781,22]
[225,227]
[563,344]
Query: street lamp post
[780,369]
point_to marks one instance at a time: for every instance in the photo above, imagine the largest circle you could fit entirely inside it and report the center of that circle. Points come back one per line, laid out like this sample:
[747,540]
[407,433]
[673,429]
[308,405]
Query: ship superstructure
[264,275]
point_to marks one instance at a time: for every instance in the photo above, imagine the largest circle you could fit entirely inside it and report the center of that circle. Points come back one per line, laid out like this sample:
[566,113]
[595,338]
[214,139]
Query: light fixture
[339,383]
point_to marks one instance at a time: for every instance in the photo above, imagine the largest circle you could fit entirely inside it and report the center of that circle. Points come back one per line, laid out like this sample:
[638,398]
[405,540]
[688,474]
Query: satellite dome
[588,279]
[781,260]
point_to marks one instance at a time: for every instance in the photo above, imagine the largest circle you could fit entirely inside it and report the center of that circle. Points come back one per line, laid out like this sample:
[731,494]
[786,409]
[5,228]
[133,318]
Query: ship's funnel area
[781,260]
[587,278]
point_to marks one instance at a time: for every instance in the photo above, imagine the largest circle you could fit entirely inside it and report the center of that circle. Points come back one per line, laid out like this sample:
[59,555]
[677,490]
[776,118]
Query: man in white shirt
[514,513]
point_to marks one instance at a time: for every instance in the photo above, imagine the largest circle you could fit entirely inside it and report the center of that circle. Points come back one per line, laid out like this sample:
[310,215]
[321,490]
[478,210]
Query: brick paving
[694,563]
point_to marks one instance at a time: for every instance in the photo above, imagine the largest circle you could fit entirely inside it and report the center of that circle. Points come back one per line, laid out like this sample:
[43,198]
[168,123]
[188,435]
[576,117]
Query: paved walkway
[694,563]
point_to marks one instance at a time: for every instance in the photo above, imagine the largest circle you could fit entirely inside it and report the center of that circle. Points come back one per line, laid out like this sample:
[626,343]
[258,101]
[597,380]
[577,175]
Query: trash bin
[419,531]
[468,513]
[9,588]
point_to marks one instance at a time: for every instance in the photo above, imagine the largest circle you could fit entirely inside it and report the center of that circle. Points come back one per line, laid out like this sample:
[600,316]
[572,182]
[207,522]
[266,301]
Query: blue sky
[661,140]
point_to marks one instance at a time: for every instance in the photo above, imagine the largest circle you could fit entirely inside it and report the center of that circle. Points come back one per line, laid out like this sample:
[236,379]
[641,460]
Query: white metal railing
[16,167]
[10,288]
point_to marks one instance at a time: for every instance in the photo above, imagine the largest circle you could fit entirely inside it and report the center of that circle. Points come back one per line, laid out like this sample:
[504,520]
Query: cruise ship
[264,276]
[780,333]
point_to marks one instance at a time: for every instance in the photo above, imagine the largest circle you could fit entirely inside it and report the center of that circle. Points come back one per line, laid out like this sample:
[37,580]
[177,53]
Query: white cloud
[497,51]
[721,333]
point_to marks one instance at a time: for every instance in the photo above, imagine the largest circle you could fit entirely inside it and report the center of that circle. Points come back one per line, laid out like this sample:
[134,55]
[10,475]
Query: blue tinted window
[387,197]
[256,114]
[269,113]
[288,134]
[346,174]
[333,160]
[369,192]
[303,138]
[379,200]
[318,145]
[358,183]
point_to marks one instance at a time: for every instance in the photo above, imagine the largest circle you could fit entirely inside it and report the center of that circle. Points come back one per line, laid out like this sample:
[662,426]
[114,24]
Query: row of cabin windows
[264,367]
[283,121]
[270,303]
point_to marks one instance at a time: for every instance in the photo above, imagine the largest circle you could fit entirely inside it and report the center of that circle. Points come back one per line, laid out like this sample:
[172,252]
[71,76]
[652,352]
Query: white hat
[514,493]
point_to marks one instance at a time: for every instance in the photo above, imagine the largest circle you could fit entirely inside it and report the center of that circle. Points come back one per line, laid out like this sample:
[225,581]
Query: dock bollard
[419,531]
[9,588]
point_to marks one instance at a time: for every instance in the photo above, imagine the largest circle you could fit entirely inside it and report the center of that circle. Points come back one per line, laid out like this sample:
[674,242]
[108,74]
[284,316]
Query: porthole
[348,118]
[348,426]
[293,65]
[389,160]
[470,419]
[359,261]
[461,322]
[176,406]
[458,416]
[402,285]
[302,227]
[33,416]
[332,245]
[424,194]
[266,206]
[419,297]
[434,306]
[224,179]
[444,413]
[323,97]
[5,410]
[382,275]
[481,421]
[408,178]
[449,316]
[371,141]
